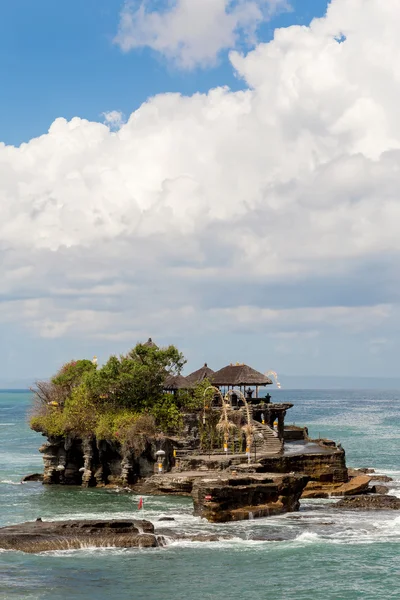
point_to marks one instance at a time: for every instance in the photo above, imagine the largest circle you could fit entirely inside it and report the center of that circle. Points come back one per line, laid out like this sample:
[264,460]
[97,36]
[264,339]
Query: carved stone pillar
[88,475]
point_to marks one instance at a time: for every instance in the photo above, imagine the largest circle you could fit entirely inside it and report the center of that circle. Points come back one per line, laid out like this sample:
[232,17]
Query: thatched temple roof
[201,374]
[176,382]
[150,344]
[239,375]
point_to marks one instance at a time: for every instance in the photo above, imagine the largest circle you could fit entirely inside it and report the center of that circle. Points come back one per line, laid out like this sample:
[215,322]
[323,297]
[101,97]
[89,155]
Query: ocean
[317,554]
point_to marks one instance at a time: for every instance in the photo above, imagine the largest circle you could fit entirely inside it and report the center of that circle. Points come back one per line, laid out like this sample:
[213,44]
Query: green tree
[96,399]
[71,374]
[135,380]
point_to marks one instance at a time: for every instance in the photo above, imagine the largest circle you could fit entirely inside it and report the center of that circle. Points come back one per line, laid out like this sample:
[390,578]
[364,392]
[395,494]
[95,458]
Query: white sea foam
[87,550]
[235,544]
[10,482]
[308,537]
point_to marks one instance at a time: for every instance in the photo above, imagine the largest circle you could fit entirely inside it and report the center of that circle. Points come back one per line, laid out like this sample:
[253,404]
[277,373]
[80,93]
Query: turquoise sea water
[323,555]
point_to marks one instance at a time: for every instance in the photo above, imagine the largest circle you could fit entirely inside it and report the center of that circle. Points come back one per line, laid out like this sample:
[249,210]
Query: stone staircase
[266,439]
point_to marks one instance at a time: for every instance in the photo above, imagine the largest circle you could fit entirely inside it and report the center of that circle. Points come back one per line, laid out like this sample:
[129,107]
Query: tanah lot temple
[233,454]
[238,386]
[262,466]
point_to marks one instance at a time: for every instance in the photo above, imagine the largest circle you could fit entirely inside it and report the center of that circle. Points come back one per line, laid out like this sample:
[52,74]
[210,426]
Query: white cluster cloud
[275,209]
[193,32]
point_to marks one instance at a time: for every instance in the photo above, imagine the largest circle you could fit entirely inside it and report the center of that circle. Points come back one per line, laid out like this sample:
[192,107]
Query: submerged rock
[32,477]
[369,502]
[176,536]
[382,478]
[379,489]
[42,536]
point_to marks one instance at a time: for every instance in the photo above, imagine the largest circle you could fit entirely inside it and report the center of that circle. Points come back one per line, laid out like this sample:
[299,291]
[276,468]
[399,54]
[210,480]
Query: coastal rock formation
[241,497]
[91,462]
[40,536]
[369,502]
[173,484]
[379,489]
[371,472]
[32,477]
[225,496]
[356,485]
[318,461]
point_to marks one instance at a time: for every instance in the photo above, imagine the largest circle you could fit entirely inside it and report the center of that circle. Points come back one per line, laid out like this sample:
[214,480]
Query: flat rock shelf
[41,536]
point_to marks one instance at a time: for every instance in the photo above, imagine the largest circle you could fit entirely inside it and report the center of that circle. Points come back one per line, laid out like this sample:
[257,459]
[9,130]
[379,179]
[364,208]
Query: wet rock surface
[369,502]
[374,476]
[357,485]
[32,477]
[179,484]
[243,497]
[382,478]
[41,536]
[379,489]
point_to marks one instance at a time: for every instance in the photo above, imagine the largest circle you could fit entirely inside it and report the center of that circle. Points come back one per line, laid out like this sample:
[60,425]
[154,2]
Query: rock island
[139,424]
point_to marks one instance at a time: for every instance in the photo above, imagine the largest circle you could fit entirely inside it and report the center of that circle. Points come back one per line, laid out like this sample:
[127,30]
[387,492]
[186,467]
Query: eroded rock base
[243,497]
[41,536]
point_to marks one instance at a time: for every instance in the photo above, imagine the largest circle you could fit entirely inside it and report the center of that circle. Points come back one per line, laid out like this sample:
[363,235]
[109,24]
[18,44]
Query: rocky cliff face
[88,462]
[328,465]
[324,464]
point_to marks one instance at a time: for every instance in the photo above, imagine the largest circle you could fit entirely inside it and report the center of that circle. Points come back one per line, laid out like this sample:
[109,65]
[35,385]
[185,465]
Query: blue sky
[256,222]
[59,59]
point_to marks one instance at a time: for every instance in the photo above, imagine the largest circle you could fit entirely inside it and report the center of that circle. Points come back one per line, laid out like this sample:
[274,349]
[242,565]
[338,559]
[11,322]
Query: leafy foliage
[197,398]
[123,400]
[135,380]
[70,375]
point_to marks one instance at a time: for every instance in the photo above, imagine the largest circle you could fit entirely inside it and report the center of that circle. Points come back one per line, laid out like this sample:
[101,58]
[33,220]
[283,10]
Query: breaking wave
[10,482]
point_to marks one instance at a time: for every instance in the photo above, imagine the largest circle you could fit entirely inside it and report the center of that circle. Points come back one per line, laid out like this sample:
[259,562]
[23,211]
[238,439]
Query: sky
[222,175]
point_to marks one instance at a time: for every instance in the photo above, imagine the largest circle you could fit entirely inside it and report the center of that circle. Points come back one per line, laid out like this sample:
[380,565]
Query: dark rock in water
[383,478]
[40,536]
[116,489]
[170,533]
[369,502]
[379,489]
[166,519]
[191,537]
[148,540]
[32,477]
